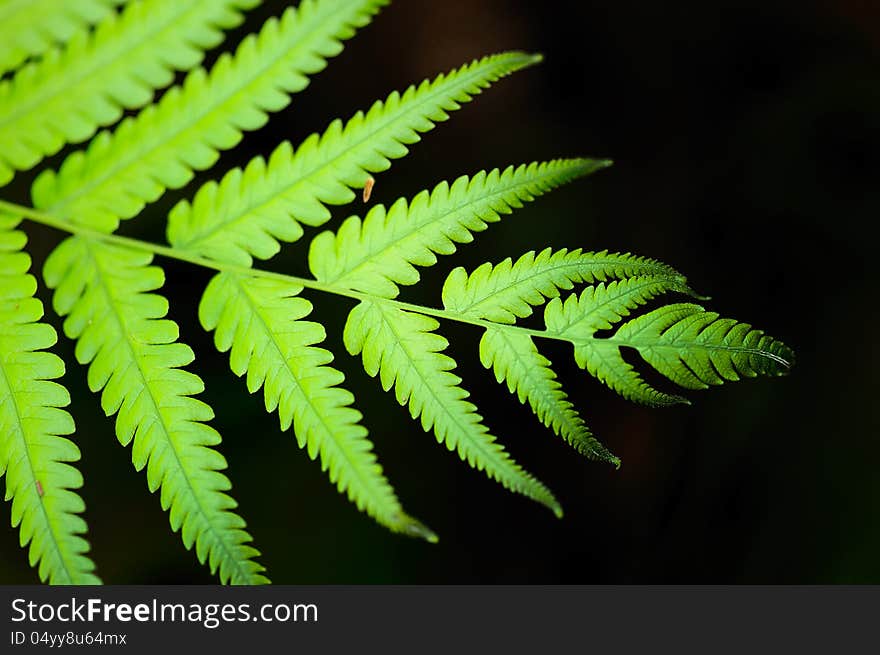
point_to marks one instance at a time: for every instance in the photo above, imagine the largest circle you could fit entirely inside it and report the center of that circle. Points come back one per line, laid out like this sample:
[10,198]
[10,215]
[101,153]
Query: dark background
[746,137]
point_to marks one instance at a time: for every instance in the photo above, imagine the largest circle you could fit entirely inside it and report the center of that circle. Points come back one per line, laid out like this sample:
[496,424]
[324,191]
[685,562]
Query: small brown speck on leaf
[368,188]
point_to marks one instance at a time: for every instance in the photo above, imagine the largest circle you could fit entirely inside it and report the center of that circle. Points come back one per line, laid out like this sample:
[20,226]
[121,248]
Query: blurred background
[746,137]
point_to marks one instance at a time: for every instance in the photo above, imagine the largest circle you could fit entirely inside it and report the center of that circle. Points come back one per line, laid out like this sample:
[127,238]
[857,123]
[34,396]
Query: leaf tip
[689,291]
[415,528]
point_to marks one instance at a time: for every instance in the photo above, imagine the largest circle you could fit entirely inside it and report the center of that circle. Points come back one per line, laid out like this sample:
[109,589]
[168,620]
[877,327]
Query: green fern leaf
[515,359]
[34,456]
[69,93]
[598,308]
[28,28]
[161,148]
[695,348]
[135,358]
[403,349]
[76,67]
[507,291]
[250,211]
[261,323]
[380,252]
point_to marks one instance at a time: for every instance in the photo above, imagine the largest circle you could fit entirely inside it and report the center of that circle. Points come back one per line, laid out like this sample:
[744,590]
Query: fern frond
[515,359]
[249,211]
[380,252]
[403,349]
[65,96]
[28,28]
[695,348]
[34,455]
[508,290]
[598,308]
[135,357]
[161,148]
[261,323]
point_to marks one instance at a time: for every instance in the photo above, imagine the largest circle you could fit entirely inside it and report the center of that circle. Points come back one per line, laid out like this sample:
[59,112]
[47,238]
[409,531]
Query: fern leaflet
[34,456]
[250,210]
[380,252]
[261,323]
[403,349]
[695,348]
[135,357]
[508,290]
[65,96]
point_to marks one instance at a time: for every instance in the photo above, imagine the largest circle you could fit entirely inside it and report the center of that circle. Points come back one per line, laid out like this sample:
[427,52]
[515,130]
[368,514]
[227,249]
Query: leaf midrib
[309,283]
[694,345]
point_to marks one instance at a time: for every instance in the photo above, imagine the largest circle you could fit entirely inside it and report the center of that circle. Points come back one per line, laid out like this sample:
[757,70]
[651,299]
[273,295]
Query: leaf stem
[173,253]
